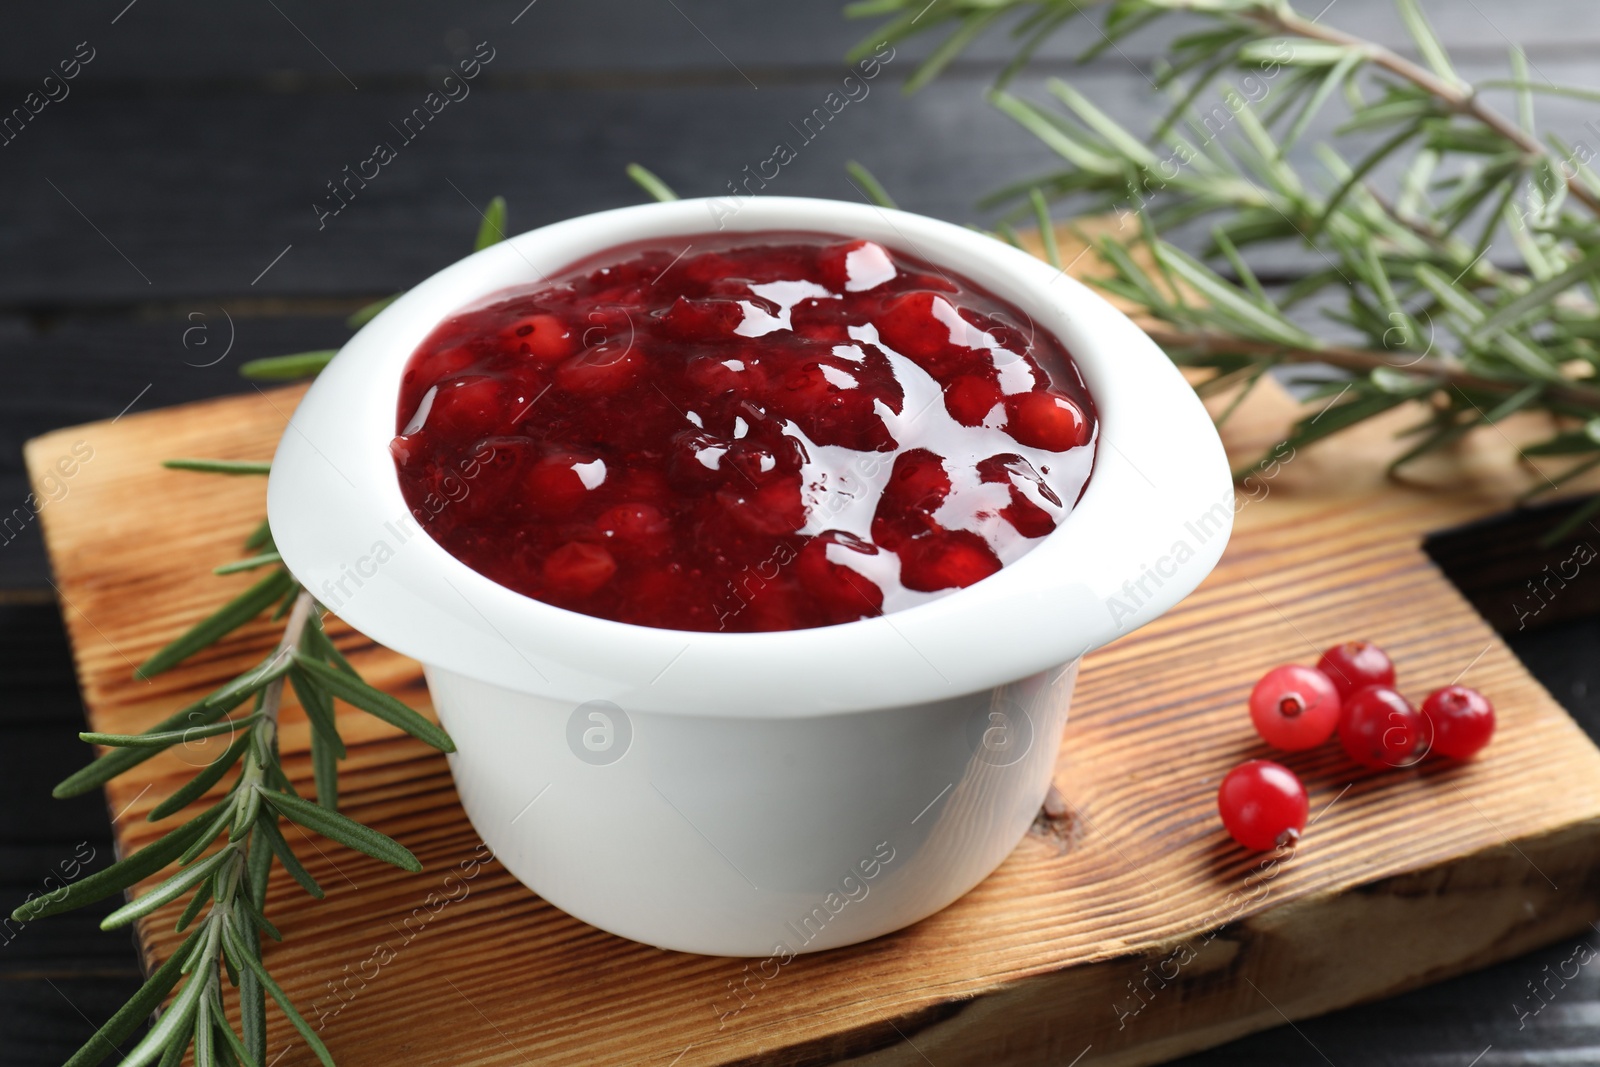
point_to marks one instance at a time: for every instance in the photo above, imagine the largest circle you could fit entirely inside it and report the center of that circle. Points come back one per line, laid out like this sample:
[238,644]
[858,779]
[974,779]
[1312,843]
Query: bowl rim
[1151,522]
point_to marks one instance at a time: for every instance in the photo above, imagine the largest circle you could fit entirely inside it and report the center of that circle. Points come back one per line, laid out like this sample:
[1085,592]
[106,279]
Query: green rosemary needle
[222,856]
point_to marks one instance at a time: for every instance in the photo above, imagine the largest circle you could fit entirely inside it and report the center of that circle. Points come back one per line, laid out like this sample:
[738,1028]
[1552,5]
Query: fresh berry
[1263,805]
[1294,707]
[1462,720]
[1355,665]
[1379,728]
[678,432]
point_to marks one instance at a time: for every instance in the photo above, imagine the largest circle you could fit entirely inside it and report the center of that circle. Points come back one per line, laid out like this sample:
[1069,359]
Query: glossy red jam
[742,432]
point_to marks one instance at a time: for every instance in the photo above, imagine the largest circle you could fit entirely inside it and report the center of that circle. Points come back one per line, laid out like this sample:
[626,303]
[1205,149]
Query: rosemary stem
[251,778]
[1463,99]
[293,629]
[1359,359]
[255,764]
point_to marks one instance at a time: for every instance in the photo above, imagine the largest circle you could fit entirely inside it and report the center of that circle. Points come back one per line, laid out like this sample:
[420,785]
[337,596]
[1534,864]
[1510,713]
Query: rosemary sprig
[1460,255]
[228,882]
[224,855]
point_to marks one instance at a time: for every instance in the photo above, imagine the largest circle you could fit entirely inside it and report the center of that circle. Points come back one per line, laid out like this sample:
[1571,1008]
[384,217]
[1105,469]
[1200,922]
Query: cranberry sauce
[742,432]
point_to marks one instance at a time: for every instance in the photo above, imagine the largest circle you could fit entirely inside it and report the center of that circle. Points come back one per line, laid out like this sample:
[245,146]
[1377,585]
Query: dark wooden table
[159,226]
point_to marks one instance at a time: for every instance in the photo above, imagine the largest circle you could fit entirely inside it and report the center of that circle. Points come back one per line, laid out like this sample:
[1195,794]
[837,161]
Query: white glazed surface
[763,836]
[763,768]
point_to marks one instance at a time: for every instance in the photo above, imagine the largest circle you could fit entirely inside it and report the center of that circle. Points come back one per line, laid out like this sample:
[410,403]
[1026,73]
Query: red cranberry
[1027,517]
[1355,665]
[708,267]
[496,466]
[775,508]
[909,325]
[556,484]
[854,266]
[668,598]
[702,320]
[823,332]
[970,398]
[542,336]
[917,487]
[1001,331]
[1462,721]
[447,362]
[1379,728]
[471,404]
[1263,805]
[831,407]
[577,569]
[772,606]
[946,559]
[841,592]
[727,374]
[1294,707]
[1047,420]
[930,331]
[605,368]
[938,282]
[636,528]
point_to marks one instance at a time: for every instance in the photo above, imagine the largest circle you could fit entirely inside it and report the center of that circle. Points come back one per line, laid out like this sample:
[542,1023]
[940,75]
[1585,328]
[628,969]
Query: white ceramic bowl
[757,794]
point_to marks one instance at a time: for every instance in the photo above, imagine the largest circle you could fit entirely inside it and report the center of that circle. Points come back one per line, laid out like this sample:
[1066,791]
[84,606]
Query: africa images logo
[599,732]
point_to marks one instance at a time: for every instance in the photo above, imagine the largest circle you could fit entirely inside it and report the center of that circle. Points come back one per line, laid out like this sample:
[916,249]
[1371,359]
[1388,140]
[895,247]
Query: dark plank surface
[140,212]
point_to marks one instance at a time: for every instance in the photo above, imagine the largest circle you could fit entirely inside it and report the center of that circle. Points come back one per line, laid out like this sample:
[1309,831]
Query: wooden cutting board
[1125,929]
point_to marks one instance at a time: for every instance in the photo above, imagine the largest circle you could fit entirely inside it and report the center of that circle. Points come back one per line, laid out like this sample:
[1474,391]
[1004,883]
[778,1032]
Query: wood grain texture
[1128,930]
